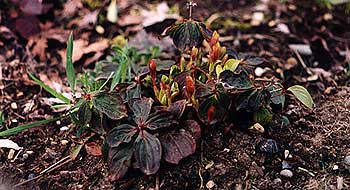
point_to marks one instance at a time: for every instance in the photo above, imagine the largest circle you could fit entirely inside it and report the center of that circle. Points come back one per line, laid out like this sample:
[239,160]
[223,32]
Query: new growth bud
[189,86]
[152,69]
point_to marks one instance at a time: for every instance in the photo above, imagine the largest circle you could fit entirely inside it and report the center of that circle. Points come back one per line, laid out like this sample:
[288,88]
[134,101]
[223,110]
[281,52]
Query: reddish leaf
[119,161]
[204,90]
[178,145]
[160,119]
[141,108]
[177,108]
[193,127]
[121,134]
[148,152]
[93,149]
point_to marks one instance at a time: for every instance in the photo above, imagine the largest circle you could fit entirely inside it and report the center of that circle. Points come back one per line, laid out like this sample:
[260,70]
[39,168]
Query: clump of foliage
[150,110]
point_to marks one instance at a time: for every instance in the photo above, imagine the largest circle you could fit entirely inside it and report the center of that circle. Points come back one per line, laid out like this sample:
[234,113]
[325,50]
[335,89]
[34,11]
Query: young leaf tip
[302,95]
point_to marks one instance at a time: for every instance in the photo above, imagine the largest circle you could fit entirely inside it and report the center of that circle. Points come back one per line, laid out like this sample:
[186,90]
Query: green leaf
[119,160]
[235,81]
[110,104]
[302,95]
[178,145]
[49,89]
[69,63]
[121,134]
[218,70]
[263,116]
[277,94]
[148,152]
[231,65]
[21,128]
[84,113]
[123,61]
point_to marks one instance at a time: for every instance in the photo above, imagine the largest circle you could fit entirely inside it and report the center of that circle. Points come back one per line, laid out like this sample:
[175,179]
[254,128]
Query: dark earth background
[33,36]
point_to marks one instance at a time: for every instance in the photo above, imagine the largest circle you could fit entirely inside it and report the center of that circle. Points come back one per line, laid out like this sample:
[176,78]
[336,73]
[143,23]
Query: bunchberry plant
[148,112]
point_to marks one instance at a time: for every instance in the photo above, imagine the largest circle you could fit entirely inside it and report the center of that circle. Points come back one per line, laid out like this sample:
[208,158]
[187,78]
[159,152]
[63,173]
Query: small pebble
[30,152]
[31,176]
[286,173]
[286,165]
[277,181]
[25,156]
[64,142]
[14,105]
[64,128]
[335,167]
[347,160]
[11,154]
[210,184]
[287,154]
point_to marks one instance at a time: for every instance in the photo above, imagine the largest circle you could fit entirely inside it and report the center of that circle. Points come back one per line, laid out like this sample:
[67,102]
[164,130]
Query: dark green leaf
[141,108]
[220,103]
[254,61]
[177,145]
[185,35]
[84,113]
[160,119]
[119,160]
[148,152]
[49,89]
[285,120]
[69,63]
[96,124]
[302,95]
[110,104]
[121,134]
[235,81]
[263,116]
[277,94]
[252,100]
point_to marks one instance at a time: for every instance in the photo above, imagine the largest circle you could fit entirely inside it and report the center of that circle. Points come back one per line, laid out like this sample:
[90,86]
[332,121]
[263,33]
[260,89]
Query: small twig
[49,169]
[190,5]
[157,182]
[55,164]
[200,176]
[307,171]
[303,63]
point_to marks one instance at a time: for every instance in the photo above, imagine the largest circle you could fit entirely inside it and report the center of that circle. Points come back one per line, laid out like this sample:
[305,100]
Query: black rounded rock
[267,146]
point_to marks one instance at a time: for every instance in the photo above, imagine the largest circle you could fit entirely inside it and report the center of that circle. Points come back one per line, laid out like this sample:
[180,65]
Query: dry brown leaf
[81,48]
[93,149]
[39,44]
[70,7]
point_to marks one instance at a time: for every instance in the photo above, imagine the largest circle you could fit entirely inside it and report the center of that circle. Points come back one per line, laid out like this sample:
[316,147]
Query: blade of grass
[69,63]
[49,89]
[21,128]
